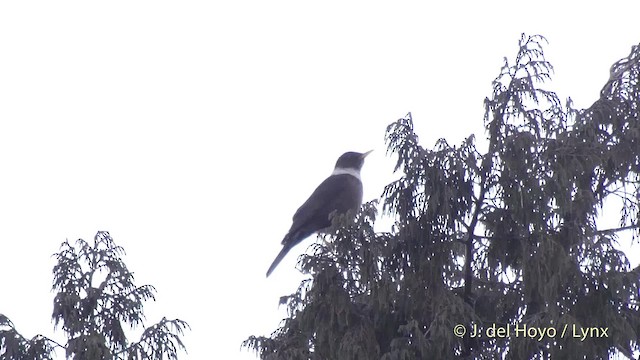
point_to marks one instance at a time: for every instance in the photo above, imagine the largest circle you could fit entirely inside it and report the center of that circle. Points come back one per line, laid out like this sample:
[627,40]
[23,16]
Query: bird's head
[352,160]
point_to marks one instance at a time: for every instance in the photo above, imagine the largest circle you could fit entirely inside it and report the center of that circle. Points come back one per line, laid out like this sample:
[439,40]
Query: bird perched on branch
[340,193]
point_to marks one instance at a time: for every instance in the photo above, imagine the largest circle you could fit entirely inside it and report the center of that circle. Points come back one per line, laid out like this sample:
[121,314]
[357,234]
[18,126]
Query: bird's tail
[276,261]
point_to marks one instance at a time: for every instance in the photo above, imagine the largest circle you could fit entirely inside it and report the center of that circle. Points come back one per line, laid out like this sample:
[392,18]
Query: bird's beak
[367,153]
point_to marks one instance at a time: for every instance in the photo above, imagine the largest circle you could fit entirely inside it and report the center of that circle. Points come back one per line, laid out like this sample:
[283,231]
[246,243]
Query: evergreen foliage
[95,297]
[505,236]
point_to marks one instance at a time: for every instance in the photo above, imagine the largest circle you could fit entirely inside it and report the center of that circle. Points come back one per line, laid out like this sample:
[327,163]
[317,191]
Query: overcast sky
[192,130]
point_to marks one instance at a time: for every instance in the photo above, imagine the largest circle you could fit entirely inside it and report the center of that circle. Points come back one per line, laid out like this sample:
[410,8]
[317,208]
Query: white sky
[192,131]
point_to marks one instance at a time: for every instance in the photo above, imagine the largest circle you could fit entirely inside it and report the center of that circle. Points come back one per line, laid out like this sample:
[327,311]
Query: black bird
[341,192]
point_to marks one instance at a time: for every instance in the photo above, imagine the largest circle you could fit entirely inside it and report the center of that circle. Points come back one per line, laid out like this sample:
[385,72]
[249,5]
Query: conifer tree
[95,298]
[504,235]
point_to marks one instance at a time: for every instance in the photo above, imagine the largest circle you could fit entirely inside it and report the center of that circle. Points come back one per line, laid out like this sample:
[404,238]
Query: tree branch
[598,232]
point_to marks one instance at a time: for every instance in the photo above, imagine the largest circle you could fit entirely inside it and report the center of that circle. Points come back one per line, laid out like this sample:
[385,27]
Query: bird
[340,193]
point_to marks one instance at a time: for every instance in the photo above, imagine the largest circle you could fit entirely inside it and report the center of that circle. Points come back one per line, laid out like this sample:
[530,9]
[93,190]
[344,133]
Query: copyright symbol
[459,330]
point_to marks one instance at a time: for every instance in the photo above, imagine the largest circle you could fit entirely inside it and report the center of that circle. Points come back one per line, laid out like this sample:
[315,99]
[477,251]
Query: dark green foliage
[14,346]
[95,297]
[501,235]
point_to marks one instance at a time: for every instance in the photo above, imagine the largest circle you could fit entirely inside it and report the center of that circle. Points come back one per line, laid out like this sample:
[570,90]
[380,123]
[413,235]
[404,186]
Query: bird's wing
[320,204]
[313,215]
